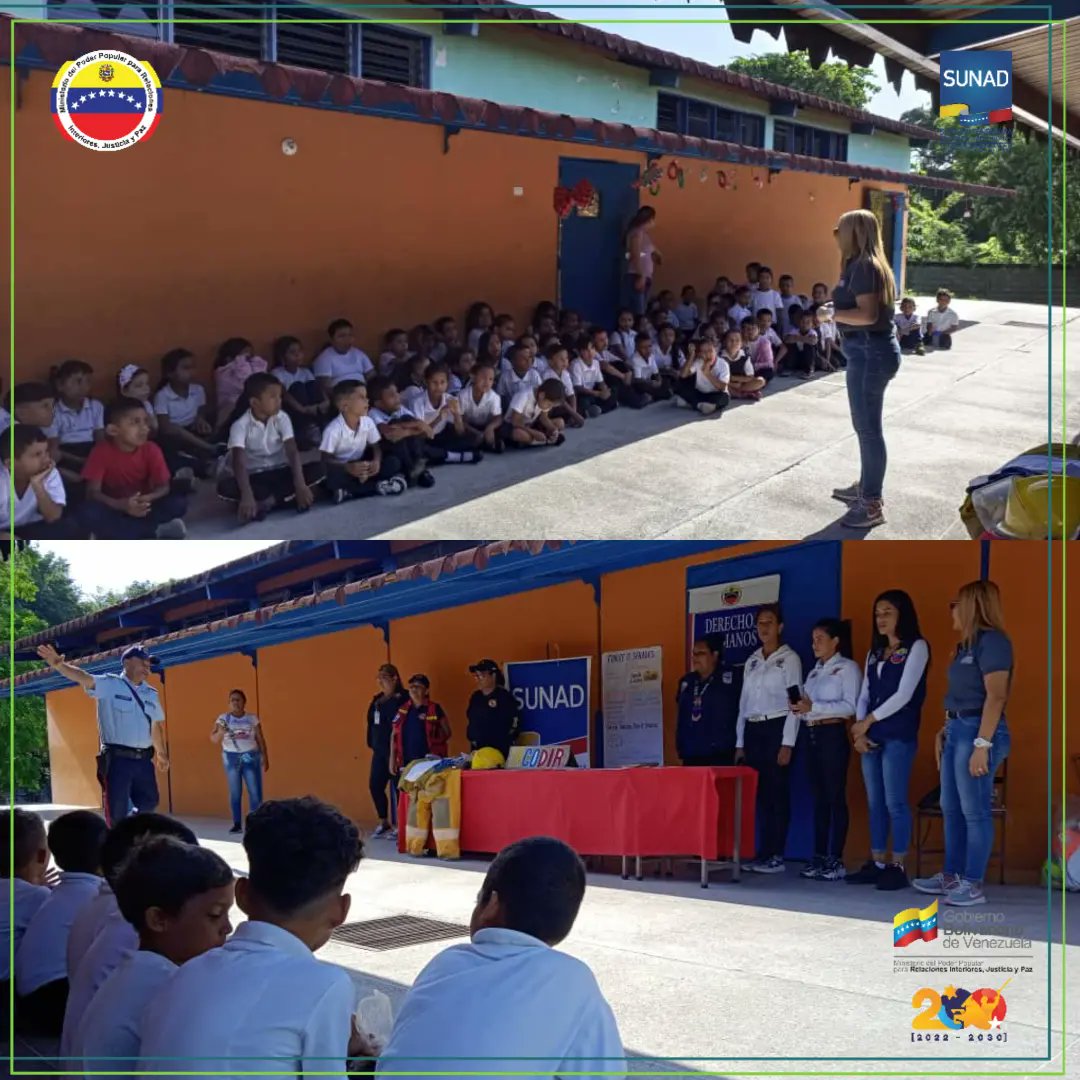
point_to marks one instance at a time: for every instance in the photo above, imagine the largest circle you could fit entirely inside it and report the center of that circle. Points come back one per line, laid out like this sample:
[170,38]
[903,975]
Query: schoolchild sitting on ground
[623,336]
[101,937]
[490,348]
[759,349]
[460,363]
[442,414]
[506,331]
[422,341]
[78,419]
[296,1011]
[724,286]
[802,344]
[483,998]
[753,274]
[617,373]
[535,356]
[556,365]
[819,293]
[184,428]
[41,982]
[545,319]
[909,327]
[236,362]
[341,359]
[32,485]
[570,324]
[647,378]
[829,357]
[522,375]
[395,351]
[133,381]
[742,308]
[481,407]
[409,436]
[789,300]
[351,452]
[941,322]
[412,379]
[667,355]
[588,379]
[33,404]
[766,297]
[420,727]
[305,400]
[529,423]
[703,380]
[742,380]
[479,320]
[176,898]
[687,313]
[764,320]
[129,493]
[25,853]
[447,337]
[263,466]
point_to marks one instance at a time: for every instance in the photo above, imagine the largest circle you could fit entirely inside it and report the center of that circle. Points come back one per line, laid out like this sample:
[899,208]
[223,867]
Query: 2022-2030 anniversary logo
[106,100]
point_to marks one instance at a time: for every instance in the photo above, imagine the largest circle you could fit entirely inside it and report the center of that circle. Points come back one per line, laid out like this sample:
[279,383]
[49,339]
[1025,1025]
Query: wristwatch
[983,744]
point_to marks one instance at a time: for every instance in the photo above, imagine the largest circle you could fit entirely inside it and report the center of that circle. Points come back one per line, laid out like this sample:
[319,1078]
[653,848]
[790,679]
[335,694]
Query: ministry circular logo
[106,100]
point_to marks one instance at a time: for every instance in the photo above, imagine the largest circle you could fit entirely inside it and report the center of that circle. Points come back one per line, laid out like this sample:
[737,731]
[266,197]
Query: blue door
[591,255]
[809,590]
[899,200]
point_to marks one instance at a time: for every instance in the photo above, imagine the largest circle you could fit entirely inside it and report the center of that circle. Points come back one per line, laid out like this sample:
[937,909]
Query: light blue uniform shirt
[120,720]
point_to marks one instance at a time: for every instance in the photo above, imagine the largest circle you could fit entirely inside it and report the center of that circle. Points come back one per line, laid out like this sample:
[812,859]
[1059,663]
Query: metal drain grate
[397,932]
[1028,325]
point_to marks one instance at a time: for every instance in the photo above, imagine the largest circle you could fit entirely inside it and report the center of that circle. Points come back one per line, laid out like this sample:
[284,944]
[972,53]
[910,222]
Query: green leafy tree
[853,86]
[58,599]
[104,598]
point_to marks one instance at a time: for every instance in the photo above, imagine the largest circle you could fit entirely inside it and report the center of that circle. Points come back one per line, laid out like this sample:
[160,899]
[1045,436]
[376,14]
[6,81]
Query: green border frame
[1052,24]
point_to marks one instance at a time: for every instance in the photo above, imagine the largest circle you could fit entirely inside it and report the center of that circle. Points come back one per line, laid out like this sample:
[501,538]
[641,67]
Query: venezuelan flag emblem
[106,100]
[915,924]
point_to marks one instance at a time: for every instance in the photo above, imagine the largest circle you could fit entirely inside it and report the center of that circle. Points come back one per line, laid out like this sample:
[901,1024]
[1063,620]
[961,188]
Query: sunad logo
[976,87]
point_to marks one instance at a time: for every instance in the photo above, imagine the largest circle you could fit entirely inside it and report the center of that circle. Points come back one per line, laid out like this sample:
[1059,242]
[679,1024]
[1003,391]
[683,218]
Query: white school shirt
[827,331]
[546,371]
[803,338]
[786,303]
[26,506]
[511,383]
[936,321]
[905,324]
[181,410]
[736,314]
[720,371]
[28,898]
[588,376]
[76,425]
[288,378]
[345,444]
[473,338]
[770,299]
[772,337]
[642,368]
[426,410]
[625,339]
[240,737]
[411,395]
[116,940]
[687,316]
[259,1003]
[388,361]
[42,954]
[263,443]
[354,364]
[403,412]
[505,996]
[524,403]
[665,360]
[480,413]
[914,666]
[88,924]
[111,1023]
[764,691]
[833,687]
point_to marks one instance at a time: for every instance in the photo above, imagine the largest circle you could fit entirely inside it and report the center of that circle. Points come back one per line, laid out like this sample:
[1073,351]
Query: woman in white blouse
[245,755]
[830,697]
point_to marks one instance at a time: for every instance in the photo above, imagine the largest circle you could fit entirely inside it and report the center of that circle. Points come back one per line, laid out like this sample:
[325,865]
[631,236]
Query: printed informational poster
[554,699]
[633,707]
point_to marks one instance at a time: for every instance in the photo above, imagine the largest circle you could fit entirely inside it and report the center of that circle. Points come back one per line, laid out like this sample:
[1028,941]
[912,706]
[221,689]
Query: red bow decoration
[582,194]
[564,202]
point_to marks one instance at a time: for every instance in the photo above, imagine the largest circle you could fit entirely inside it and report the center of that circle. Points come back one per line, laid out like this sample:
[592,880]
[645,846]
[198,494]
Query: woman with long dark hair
[973,743]
[886,734]
[830,699]
[244,754]
[380,722]
[865,302]
[642,257]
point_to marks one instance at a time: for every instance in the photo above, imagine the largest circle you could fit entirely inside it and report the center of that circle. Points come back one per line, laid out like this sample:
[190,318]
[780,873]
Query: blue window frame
[813,142]
[704,120]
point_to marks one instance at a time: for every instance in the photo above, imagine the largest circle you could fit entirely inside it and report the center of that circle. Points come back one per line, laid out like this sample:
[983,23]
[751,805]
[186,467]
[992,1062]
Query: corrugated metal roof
[58,42]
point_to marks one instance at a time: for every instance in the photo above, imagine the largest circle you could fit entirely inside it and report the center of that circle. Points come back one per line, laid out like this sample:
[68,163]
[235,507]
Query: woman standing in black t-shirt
[380,719]
[864,305]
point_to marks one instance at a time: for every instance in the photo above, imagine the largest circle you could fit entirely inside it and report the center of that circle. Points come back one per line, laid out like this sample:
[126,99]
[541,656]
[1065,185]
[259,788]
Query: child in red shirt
[128,496]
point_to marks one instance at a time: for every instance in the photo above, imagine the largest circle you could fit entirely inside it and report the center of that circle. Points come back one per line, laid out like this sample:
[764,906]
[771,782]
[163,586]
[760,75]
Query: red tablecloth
[662,811]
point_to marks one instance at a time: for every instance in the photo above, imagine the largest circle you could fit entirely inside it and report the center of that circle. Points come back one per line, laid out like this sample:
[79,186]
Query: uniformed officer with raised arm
[130,733]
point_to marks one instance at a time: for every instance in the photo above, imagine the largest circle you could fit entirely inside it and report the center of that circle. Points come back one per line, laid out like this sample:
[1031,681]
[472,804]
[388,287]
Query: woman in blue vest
[886,734]
[973,743]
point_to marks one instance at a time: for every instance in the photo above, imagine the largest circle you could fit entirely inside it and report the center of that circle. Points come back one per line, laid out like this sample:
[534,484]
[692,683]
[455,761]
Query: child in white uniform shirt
[764,320]
[743,306]
[476,1005]
[617,373]
[909,327]
[33,404]
[647,378]
[184,428]
[78,419]
[395,351]
[341,359]
[687,313]
[759,350]
[742,381]
[409,436]
[437,408]
[667,355]
[133,382]
[557,366]
[265,469]
[522,375]
[481,407]
[788,300]
[802,344]
[529,423]
[262,1002]
[40,499]
[41,981]
[623,337]
[176,899]
[766,297]
[941,322]
[305,399]
[354,461]
[703,379]
[28,857]
[588,379]
[100,937]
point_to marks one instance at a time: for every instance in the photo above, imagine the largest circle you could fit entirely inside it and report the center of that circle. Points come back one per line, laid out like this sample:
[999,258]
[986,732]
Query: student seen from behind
[25,852]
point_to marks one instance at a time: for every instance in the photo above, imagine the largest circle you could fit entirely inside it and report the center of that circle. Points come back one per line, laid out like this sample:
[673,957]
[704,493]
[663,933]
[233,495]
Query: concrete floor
[774,975]
[760,471]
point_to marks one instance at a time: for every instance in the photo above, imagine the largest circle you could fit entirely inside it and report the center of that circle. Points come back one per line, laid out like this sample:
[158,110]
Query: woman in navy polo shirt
[973,743]
[886,734]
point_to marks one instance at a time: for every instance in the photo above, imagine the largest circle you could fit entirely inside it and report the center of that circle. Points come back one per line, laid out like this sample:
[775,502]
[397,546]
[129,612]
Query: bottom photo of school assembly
[790,761]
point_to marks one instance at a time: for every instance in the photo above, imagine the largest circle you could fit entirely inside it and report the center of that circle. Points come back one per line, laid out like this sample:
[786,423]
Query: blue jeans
[886,772]
[966,799]
[246,769]
[873,359]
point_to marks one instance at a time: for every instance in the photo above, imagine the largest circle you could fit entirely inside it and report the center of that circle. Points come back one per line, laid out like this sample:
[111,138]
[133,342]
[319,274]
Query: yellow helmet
[487,757]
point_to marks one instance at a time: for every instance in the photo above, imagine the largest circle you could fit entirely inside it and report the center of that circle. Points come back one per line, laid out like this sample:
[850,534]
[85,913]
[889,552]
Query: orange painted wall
[208,231]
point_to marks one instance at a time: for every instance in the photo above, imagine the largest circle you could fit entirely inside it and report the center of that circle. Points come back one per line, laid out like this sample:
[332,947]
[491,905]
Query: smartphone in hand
[794,696]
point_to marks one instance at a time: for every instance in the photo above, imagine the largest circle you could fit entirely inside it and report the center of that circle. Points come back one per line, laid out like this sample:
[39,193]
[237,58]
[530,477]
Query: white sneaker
[394,486]
[773,865]
[706,408]
[171,530]
[380,830]
[941,884]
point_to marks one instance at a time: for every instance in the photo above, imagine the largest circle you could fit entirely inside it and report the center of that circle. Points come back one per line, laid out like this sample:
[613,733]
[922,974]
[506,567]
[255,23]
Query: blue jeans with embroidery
[966,799]
[886,772]
[243,770]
